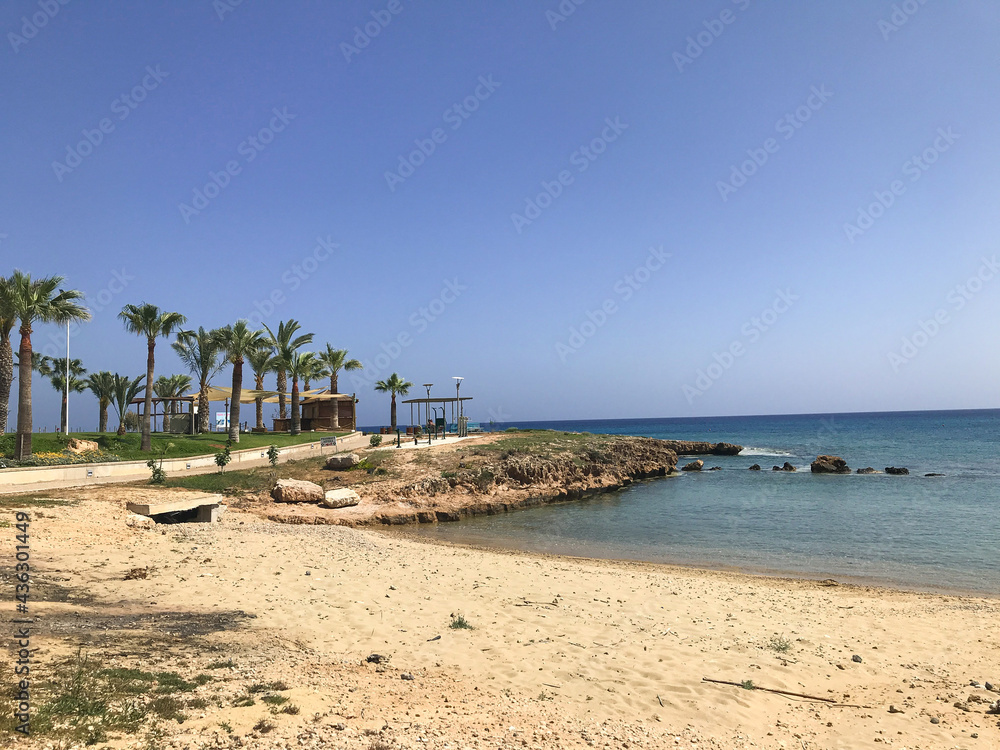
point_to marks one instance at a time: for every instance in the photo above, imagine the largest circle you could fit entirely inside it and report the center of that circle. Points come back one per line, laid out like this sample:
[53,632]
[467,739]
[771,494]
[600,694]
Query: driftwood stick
[773,690]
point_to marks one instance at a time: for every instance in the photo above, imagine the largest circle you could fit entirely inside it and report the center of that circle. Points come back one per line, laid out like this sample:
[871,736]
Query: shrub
[222,458]
[458,622]
[272,455]
[375,441]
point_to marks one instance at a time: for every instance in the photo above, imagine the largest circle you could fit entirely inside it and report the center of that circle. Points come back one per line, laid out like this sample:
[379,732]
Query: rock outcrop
[343,461]
[786,467]
[830,465]
[135,521]
[868,470]
[896,470]
[694,466]
[755,467]
[696,448]
[297,491]
[81,446]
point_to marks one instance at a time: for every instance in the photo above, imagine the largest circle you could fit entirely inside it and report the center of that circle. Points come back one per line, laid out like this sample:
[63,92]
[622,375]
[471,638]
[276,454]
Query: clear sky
[628,210]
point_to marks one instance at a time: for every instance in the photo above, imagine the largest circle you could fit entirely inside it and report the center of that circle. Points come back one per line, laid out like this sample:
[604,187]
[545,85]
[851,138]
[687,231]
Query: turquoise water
[908,531]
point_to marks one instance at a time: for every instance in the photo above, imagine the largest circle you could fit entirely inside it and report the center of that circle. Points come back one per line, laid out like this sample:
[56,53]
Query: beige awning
[246,396]
[302,394]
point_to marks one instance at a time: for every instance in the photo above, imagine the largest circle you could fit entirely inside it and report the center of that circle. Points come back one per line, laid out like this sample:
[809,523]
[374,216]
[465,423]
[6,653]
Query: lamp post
[66,384]
[427,408]
[458,398]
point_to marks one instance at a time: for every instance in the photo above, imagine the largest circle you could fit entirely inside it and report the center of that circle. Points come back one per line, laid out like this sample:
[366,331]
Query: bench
[207,508]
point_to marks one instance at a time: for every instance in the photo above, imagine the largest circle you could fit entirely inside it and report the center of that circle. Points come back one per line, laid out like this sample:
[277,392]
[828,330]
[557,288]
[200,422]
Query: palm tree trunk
[393,412]
[234,409]
[259,402]
[147,434]
[335,425]
[22,447]
[104,418]
[62,416]
[203,424]
[282,399]
[296,416]
[6,380]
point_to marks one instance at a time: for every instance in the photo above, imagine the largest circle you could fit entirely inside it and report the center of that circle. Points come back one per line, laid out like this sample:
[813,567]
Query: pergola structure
[189,400]
[429,403]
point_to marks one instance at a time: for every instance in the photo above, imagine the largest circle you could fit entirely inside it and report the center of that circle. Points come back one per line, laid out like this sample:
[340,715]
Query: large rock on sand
[343,461]
[135,521]
[343,498]
[830,465]
[297,491]
[81,446]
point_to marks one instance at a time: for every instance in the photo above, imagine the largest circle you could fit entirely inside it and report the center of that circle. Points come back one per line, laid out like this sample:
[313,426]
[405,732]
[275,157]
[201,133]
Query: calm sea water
[909,531]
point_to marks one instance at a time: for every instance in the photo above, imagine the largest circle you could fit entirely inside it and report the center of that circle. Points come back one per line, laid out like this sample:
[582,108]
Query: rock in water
[755,467]
[297,491]
[726,449]
[344,498]
[830,465]
[896,471]
[693,466]
[867,470]
[342,461]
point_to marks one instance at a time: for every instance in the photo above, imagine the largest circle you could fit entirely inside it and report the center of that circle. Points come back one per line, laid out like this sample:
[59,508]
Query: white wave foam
[765,452]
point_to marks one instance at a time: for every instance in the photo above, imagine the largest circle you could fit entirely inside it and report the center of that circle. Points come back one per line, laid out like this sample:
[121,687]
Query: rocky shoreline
[488,482]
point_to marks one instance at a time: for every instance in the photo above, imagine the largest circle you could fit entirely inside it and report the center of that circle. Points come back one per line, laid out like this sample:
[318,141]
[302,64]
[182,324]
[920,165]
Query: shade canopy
[246,396]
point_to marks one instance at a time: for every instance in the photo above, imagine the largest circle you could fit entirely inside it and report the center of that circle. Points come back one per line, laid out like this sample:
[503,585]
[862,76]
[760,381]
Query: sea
[929,533]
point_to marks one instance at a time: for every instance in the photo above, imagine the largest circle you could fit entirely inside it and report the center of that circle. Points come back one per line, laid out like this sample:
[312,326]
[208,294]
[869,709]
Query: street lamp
[458,399]
[427,408]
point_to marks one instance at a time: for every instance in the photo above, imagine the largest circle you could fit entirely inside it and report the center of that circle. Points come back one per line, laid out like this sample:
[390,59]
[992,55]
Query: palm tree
[301,365]
[238,342]
[333,361]
[285,344]
[262,362]
[149,321]
[199,351]
[171,387]
[36,301]
[124,392]
[7,321]
[394,385]
[55,371]
[102,385]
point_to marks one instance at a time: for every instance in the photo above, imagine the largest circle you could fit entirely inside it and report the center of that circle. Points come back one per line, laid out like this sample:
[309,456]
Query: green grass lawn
[184,446]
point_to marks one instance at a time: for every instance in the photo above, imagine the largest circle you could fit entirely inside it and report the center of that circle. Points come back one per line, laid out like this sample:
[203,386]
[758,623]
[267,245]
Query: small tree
[272,455]
[156,466]
[222,458]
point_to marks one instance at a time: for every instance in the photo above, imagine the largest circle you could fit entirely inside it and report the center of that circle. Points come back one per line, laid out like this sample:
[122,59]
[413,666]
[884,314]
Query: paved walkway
[349,443]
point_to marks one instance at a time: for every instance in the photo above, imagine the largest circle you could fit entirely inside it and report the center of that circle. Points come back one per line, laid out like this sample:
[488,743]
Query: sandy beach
[561,652]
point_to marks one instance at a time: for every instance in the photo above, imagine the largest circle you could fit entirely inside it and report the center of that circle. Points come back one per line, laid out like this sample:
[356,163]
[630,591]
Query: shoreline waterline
[865,584]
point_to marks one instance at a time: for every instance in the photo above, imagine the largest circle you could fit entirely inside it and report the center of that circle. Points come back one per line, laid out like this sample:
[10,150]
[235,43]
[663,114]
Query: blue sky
[758,207]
